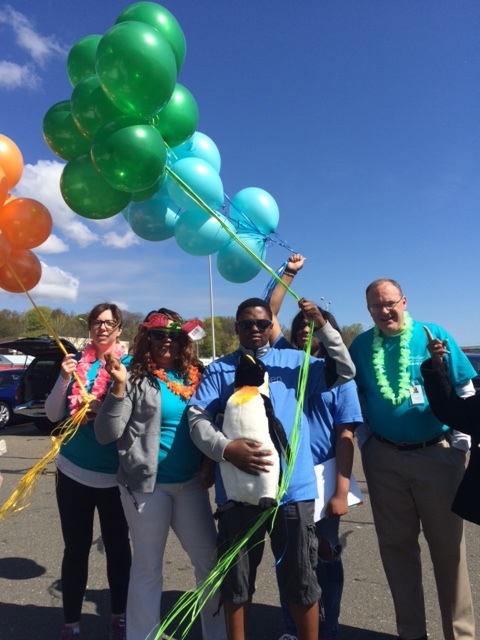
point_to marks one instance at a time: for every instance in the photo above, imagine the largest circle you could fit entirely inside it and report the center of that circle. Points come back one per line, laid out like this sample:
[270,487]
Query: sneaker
[68,633]
[288,636]
[118,629]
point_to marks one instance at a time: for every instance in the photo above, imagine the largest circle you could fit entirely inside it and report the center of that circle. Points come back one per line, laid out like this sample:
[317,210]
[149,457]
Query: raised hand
[437,348]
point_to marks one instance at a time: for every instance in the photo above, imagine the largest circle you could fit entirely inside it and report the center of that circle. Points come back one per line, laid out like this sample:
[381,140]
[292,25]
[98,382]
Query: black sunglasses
[262,325]
[158,334]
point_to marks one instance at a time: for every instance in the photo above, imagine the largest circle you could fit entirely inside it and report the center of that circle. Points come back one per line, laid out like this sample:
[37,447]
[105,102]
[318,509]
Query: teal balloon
[129,154]
[235,264]
[202,179]
[136,68]
[81,59]
[87,193]
[146,194]
[162,20]
[155,219]
[61,133]
[199,146]
[200,234]
[258,206]
[91,106]
[178,119]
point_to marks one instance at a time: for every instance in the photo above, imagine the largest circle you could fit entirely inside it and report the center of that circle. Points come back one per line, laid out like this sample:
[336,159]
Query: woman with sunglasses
[163,479]
[86,476]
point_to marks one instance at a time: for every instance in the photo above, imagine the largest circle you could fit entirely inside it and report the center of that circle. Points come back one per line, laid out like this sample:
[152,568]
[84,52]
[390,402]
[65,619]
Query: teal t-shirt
[405,422]
[178,458]
[83,449]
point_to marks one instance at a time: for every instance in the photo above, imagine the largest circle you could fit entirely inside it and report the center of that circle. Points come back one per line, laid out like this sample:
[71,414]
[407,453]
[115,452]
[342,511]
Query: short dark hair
[296,322]
[100,308]
[380,281]
[253,302]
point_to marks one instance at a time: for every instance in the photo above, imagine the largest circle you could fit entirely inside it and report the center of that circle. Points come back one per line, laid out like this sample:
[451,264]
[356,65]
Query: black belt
[409,446]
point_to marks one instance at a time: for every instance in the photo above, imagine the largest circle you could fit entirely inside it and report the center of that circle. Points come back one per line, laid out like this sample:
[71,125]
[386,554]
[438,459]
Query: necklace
[378,360]
[102,378]
[185,391]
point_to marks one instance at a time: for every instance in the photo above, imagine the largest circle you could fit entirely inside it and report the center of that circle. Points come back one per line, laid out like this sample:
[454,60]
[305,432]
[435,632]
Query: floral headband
[193,328]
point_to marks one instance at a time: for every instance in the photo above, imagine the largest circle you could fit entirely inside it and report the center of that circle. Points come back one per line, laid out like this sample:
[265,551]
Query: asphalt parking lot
[31,551]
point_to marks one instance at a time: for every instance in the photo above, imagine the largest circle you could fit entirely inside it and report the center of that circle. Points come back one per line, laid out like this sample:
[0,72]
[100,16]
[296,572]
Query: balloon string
[213,213]
[48,326]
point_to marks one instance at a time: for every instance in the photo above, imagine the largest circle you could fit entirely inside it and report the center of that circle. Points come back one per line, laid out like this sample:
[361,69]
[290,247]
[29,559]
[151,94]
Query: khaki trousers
[409,491]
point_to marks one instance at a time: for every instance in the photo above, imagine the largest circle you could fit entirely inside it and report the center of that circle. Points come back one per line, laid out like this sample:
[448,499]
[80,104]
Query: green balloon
[141,196]
[136,68]
[81,59]
[87,193]
[61,133]
[129,154]
[91,107]
[162,20]
[178,119]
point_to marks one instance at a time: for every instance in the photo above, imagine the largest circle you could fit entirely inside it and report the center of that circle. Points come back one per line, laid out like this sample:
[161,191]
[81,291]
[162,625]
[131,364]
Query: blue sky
[361,119]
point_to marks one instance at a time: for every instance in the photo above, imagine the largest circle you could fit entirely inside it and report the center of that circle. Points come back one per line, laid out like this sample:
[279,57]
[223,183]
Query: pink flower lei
[99,388]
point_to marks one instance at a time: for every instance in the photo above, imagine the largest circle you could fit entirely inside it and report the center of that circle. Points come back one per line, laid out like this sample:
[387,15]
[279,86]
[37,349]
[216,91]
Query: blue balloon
[258,206]
[200,234]
[198,146]
[202,178]
[235,264]
[153,219]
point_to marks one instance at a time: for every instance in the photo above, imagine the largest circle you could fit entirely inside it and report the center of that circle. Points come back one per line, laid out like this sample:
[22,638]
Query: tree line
[14,324]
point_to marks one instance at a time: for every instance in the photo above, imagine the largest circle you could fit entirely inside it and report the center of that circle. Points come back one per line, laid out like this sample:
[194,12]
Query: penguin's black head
[250,372]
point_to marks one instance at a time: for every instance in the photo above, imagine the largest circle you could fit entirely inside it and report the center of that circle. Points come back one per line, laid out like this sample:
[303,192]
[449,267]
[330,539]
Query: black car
[475,362]
[39,377]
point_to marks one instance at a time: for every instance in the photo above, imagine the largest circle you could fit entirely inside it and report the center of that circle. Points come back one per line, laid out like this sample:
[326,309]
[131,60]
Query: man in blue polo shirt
[293,535]
[412,469]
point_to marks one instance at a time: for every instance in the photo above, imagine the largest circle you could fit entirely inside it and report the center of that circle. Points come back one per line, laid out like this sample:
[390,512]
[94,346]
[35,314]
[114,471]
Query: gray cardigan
[134,423]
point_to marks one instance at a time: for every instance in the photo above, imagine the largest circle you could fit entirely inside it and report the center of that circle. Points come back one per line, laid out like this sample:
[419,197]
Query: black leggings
[76,504]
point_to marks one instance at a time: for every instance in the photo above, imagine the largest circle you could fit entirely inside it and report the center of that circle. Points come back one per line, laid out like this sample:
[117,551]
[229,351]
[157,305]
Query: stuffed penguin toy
[249,414]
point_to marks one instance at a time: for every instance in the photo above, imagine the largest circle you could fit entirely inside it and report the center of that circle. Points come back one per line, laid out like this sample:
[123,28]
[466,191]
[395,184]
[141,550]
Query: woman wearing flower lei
[163,479]
[86,476]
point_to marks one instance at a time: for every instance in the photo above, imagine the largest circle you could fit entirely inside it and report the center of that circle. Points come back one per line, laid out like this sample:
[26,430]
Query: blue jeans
[330,579]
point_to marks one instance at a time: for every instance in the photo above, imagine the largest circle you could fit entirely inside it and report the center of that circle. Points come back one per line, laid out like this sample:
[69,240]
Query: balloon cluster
[128,134]
[24,224]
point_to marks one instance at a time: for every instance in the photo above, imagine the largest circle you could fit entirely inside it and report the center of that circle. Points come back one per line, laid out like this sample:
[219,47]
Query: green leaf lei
[378,360]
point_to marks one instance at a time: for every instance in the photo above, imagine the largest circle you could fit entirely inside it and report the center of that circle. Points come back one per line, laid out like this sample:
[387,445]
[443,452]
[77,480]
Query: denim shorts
[294,545]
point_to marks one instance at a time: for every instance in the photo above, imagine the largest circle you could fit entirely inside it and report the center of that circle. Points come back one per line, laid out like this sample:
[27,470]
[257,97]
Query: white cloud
[42,182]
[56,284]
[39,47]
[53,244]
[13,76]
[117,241]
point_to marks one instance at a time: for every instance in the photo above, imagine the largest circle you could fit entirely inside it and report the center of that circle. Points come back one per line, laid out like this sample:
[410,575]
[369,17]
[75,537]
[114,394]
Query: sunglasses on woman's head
[159,334]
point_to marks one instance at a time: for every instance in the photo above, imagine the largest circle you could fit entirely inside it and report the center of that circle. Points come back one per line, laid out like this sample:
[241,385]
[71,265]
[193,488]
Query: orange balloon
[3,186]
[26,222]
[11,160]
[4,247]
[26,266]
[9,198]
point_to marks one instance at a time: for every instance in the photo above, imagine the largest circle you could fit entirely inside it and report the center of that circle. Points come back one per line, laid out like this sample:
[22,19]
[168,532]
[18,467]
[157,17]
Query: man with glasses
[412,464]
[293,534]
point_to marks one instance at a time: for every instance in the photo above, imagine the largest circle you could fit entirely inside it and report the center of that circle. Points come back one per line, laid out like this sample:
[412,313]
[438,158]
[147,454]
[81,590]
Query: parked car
[475,362]
[9,379]
[39,377]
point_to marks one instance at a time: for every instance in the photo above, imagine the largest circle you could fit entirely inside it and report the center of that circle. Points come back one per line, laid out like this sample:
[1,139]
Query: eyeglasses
[262,325]
[158,334]
[373,308]
[109,324]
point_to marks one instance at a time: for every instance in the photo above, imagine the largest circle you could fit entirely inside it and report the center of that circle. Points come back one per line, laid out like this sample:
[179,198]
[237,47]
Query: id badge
[416,395]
